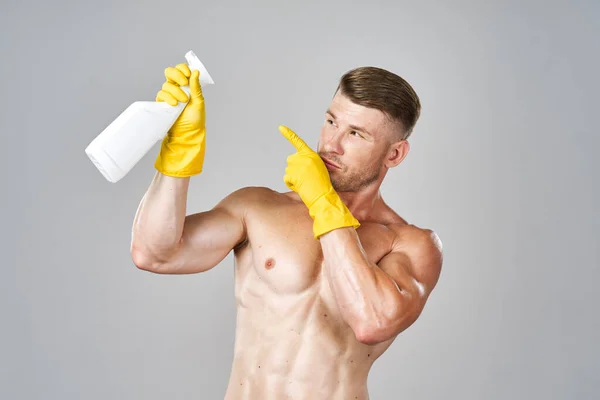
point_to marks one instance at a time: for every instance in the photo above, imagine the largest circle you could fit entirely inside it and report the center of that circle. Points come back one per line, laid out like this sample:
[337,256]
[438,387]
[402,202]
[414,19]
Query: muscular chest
[284,258]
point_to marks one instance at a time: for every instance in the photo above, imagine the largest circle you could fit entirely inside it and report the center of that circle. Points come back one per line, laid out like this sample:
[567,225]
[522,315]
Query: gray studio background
[502,166]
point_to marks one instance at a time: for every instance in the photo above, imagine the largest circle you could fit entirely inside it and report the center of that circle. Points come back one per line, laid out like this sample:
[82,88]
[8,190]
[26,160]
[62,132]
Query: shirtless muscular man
[327,274]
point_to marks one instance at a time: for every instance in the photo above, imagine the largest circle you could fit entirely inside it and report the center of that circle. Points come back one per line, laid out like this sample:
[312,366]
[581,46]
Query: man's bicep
[415,265]
[416,258]
[209,236]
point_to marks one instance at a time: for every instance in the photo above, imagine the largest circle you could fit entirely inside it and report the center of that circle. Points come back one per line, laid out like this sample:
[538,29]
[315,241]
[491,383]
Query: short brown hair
[385,91]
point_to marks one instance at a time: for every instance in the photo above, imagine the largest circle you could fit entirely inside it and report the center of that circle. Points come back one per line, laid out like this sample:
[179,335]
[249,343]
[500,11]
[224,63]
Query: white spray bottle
[120,146]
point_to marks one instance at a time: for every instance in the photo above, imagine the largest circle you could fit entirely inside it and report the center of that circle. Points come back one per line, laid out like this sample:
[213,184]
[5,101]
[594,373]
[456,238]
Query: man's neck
[362,203]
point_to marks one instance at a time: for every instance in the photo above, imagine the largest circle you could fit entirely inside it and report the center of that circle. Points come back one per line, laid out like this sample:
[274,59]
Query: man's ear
[398,151]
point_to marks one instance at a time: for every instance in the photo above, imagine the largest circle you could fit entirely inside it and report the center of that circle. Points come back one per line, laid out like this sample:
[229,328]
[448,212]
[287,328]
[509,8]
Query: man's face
[356,140]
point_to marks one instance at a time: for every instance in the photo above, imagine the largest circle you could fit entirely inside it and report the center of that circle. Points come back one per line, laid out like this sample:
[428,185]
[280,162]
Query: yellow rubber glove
[307,175]
[183,148]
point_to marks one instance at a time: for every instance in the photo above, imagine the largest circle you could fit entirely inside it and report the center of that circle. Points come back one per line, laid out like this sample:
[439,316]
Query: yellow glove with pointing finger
[183,148]
[307,175]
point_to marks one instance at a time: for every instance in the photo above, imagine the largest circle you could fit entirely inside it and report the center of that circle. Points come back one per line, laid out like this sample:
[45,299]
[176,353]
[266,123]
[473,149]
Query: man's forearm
[367,297]
[158,223]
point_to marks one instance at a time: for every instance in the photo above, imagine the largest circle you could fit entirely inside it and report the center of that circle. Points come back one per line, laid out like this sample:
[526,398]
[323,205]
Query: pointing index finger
[298,143]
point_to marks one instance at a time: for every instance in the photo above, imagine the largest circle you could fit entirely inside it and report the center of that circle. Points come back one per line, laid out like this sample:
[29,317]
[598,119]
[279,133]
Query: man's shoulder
[248,192]
[413,235]
[422,250]
[250,196]
[409,232]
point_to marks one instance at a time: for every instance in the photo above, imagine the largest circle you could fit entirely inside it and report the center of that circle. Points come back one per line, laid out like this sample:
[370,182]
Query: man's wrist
[329,212]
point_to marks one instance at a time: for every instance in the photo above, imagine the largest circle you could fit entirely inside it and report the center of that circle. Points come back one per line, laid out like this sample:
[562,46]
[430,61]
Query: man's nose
[333,142]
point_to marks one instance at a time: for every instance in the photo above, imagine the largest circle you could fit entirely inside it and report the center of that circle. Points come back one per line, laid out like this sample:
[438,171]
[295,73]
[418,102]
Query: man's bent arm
[380,301]
[159,220]
[166,241]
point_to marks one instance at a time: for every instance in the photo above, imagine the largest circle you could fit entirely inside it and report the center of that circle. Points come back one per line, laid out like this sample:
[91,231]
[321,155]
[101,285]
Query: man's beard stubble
[343,182]
[355,182]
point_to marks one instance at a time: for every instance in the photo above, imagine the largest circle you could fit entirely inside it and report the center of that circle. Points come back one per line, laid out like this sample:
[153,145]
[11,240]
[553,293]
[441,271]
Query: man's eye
[355,133]
[330,121]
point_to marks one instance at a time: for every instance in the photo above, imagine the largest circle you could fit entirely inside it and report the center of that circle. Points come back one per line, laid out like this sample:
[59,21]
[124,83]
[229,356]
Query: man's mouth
[330,165]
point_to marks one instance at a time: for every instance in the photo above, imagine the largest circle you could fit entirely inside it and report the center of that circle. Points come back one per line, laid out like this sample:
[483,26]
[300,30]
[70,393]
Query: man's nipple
[270,263]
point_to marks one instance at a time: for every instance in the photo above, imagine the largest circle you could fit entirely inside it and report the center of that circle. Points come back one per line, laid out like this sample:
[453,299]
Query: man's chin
[340,187]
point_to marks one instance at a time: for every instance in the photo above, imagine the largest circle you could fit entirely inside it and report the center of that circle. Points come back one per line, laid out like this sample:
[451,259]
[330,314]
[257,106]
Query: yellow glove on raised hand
[182,149]
[307,175]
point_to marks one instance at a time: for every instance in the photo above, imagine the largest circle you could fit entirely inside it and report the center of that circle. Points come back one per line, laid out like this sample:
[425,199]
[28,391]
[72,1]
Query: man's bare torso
[291,341]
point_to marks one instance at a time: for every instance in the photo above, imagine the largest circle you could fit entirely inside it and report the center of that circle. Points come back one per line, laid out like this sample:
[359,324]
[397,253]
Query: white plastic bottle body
[130,136]
[122,144]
